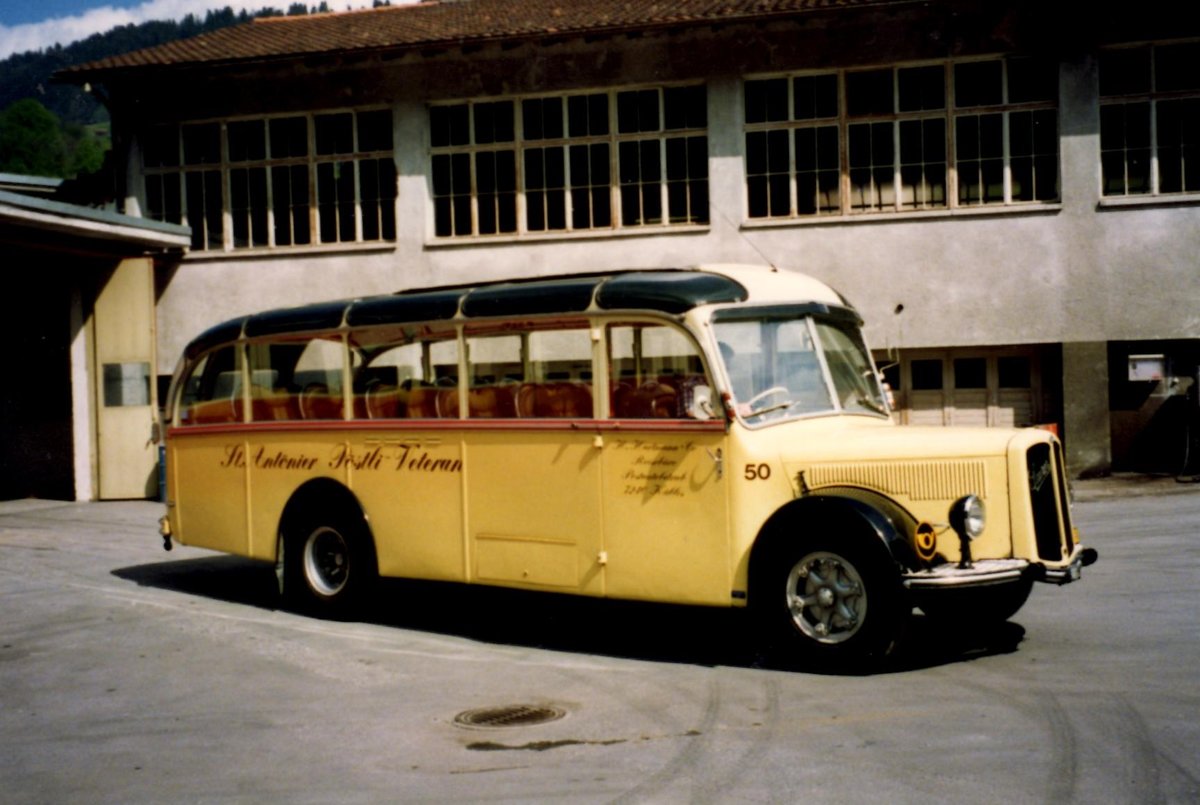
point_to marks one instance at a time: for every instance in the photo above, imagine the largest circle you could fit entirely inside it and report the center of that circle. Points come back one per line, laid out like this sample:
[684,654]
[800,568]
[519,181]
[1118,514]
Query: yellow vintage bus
[714,436]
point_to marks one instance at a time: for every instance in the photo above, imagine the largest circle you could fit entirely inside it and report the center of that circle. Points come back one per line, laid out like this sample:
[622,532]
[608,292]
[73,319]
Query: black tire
[832,603]
[328,564]
[981,606]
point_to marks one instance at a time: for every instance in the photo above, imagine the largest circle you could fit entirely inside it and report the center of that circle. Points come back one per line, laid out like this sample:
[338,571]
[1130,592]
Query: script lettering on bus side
[654,470]
[400,457]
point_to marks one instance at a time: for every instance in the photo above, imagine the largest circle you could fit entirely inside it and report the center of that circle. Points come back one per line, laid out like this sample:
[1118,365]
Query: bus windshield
[785,363]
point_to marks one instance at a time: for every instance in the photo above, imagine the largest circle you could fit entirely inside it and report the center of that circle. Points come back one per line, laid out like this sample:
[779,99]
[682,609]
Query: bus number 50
[758,472]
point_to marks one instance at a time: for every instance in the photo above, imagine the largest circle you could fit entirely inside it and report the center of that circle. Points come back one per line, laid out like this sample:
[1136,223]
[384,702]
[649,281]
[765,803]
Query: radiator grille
[1043,473]
[916,480]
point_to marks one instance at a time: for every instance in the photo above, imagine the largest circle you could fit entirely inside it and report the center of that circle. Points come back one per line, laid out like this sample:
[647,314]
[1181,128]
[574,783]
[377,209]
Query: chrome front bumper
[984,572]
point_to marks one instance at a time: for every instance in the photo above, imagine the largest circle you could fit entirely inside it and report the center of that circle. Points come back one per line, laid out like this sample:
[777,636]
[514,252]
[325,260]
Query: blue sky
[37,24]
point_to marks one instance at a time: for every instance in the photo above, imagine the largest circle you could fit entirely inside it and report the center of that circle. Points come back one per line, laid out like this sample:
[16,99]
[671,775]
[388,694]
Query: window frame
[1152,98]
[901,115]
[221,172]
[531,200]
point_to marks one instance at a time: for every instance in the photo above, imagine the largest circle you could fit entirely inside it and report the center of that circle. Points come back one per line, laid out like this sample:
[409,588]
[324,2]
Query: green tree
[85,153]
[31,140]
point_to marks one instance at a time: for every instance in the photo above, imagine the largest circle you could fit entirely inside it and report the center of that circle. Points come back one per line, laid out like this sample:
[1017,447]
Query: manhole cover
[512,715]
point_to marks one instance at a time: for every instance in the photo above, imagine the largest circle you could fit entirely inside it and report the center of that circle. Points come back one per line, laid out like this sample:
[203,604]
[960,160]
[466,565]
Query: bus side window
[496,372]
[558,383]
[212,393]
[656,373]
[318,376]
[403,379]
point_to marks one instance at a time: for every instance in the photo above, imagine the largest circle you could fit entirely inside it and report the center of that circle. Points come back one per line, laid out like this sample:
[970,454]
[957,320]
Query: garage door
[958,387]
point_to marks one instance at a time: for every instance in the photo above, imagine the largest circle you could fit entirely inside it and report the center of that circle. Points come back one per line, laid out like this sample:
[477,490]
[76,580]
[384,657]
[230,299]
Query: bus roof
[672,291]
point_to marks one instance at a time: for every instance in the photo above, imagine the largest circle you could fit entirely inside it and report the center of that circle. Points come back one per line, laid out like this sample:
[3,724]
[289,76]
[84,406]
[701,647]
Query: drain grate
[512,715]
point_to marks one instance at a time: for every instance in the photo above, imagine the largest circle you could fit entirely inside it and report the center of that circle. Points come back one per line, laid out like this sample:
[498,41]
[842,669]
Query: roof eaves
[181,56]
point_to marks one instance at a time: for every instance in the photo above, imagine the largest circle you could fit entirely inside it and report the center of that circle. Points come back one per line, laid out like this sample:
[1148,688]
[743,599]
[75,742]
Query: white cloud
[65,30]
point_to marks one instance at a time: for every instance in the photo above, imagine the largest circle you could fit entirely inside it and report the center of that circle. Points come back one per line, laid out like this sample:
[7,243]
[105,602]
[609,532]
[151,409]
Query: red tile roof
[446,23]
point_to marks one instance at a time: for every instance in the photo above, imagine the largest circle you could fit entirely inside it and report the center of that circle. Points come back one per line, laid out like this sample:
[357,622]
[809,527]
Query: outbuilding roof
[447,23]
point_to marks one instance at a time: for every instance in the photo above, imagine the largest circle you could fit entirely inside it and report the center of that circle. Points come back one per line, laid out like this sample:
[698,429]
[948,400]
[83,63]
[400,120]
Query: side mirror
[701,406]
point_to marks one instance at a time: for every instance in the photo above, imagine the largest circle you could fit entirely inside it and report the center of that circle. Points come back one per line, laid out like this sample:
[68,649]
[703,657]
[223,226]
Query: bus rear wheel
[328,565]
[831,603]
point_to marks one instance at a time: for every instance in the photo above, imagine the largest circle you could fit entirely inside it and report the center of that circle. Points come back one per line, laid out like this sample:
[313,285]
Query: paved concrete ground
[132,675]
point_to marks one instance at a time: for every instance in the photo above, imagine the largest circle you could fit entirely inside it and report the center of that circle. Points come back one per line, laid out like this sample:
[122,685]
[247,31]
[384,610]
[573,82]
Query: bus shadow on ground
[574,624]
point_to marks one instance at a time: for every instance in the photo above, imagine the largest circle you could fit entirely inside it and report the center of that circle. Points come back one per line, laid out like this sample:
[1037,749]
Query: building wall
[1079,273]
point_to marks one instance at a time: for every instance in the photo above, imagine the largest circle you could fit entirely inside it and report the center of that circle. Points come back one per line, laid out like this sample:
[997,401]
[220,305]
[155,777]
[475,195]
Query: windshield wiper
[870,404]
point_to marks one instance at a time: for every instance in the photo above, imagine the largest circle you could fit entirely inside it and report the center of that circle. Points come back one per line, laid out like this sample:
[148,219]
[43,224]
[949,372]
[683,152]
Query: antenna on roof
[742,235]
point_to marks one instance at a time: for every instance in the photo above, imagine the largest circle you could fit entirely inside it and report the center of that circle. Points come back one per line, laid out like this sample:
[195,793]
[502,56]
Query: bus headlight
[968,516]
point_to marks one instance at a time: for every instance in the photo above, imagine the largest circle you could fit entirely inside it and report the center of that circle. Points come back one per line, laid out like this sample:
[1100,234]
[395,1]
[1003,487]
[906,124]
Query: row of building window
[839,143]
[280,181]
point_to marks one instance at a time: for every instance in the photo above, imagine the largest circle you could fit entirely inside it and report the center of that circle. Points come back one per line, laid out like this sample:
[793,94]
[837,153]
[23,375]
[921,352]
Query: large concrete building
[1008,192]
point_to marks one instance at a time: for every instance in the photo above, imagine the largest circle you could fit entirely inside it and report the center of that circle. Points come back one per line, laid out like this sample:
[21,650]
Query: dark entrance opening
[36,442]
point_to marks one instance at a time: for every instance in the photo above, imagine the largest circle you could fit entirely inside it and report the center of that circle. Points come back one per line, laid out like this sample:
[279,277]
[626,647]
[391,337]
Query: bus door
[532,461]
[207,461]
[664,484]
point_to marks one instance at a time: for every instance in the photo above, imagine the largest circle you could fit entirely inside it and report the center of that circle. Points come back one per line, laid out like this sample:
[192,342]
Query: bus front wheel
[831,602]
[328,565]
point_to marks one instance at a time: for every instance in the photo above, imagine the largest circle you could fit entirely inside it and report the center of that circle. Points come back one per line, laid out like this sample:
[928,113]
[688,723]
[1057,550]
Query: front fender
[855,511]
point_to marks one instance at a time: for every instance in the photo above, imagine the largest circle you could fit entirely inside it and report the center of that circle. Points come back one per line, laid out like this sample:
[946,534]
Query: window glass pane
[926,374]
[872,172]
[637,111]
[375,130]
[289,137]
[318,378]
[449,125]
[1179,145]
[335,133]
[377,187]
[589,186]
[922,88]
[869,93]
[923,163]
[1014,372]
[493,122]
[545,199]
[248,206]
[979,139]
[335,201]
[685,107]
[854,380]
[289,193]
[247,140]
[641,173]
[587,115]
[978,83]
[406,374]
[204,209]
[970,373]
[558,383]
[687,179]
[541,118]
[656,373]
[212,392]
[766,101]
[1125,148]
[816,96]
[1033,146]
[202,144]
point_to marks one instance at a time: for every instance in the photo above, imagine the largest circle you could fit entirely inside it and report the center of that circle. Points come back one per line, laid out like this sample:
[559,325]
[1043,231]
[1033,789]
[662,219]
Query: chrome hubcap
[326,561]
[826,597]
